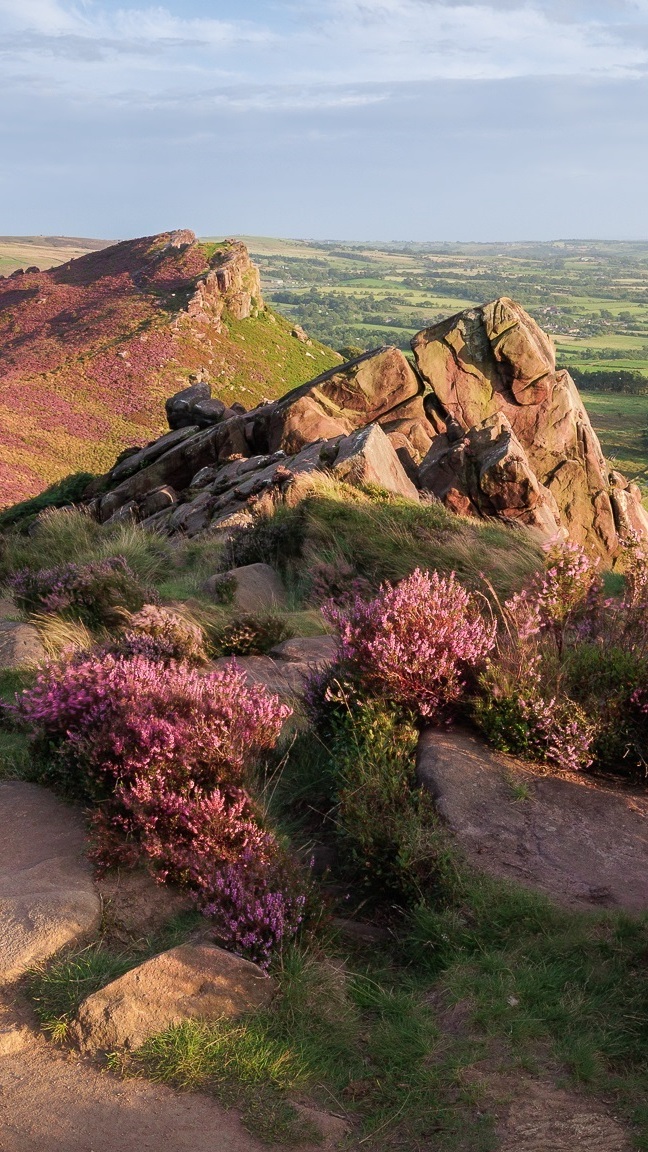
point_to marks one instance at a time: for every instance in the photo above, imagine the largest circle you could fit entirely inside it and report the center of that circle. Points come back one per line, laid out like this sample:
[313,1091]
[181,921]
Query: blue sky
[348,119]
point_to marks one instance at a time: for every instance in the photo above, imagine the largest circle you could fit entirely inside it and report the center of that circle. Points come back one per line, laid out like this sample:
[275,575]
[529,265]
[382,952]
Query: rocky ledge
[484,423]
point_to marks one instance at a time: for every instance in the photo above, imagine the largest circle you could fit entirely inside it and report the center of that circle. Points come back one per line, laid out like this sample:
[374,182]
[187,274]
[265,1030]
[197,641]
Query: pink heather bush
[92,593]
[165,751]
[415,642]
[565,596]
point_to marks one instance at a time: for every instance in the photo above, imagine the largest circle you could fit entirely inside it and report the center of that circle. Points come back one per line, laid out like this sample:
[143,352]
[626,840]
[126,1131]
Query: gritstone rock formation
[486,425]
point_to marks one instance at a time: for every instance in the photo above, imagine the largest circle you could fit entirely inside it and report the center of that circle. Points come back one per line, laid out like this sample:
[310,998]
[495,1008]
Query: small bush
[161,634]
[271,540]
[555,731]
[249,635]
[416,643]
[165,751]
[387,830]
[92,593]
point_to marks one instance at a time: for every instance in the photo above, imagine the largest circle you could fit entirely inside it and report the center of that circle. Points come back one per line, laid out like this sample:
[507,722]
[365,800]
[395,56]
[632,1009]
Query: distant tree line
[611,380]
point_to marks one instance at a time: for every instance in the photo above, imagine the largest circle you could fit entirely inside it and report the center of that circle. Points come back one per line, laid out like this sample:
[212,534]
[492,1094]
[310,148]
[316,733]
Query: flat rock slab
[20,645]
[255,588]
[193,981]
[577,840]
[313,650]
[47,895]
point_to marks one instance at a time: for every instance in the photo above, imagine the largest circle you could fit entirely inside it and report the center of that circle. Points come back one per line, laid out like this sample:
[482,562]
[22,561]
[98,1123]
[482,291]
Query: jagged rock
[47,896]
[368,457]
[487,473]
[175,468]
[192,981]
[340,400]
[495,359]
[411,421]
[20,645]
[251,588]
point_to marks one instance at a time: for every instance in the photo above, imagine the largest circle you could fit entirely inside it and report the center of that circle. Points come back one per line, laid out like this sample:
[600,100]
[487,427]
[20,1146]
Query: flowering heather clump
[161,634]
[91,592]
[566,595]
[165,751]
[255,907]
[415,642]
[553,731]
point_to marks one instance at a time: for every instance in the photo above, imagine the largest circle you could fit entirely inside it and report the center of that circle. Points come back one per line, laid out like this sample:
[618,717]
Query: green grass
[619,422]
[385,538]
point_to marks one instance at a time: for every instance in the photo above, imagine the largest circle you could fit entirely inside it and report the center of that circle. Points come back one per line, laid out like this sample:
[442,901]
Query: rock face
[495,361]
[47,897]
[193,981]
[485,424]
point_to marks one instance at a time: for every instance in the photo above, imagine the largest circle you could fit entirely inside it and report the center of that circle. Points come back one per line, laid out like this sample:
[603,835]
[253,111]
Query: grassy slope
[89,355]
[619,421]
[43,251]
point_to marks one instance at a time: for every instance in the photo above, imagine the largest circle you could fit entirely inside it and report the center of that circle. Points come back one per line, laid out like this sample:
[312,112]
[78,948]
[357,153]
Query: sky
[338,119]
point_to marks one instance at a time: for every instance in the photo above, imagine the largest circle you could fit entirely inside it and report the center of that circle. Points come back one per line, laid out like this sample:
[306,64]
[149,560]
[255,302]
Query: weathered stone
[367,457]
[174,468]
[20,645]
[488,474]
[340,400]
[495,359]
[254,588]
[193,981]
[562,840]
[208,412]
[141,457]
[317,650]
[179,408]
[158,500]
[47,897]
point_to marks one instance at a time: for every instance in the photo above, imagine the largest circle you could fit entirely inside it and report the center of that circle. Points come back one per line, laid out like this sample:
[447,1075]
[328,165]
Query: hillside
[90,349]
[43,251]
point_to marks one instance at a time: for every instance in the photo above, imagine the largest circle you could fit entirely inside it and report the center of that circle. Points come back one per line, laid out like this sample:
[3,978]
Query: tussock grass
[64,536]
[386,537]
[59,635]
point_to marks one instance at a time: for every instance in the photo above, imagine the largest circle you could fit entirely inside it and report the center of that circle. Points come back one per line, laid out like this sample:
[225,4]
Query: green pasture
[621,423]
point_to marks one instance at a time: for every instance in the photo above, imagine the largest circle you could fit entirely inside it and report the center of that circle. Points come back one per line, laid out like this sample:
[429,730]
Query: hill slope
[90,349]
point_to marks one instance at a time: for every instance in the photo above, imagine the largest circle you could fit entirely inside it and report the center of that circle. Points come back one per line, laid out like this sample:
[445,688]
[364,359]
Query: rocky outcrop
[486,424]
[251,588]
[20,645]
[495,361]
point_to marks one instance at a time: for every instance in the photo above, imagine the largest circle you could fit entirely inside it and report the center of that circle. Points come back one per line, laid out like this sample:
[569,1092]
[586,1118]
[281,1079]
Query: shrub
[337,582]
[164,751]
[416,643]
[270,540]
[249,634]
[555,731]
[161,634]
[92,593]
[387,831]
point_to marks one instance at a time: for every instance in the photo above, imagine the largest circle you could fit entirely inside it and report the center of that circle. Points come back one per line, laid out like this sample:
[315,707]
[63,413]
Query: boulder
[47,895]
[20,645]
[563,839]
[128,465]
[179,408]
[192,981]
[252,588]
[340,400]
[496,360]
[315,650]
[174,468]
[368,457]
[158,500]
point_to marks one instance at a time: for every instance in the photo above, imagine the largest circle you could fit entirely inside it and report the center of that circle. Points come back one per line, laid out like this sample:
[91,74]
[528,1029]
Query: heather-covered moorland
[91,348]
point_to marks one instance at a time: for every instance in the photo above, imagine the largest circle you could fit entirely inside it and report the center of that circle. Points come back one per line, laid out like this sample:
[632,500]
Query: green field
[591,296]
[622,426]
